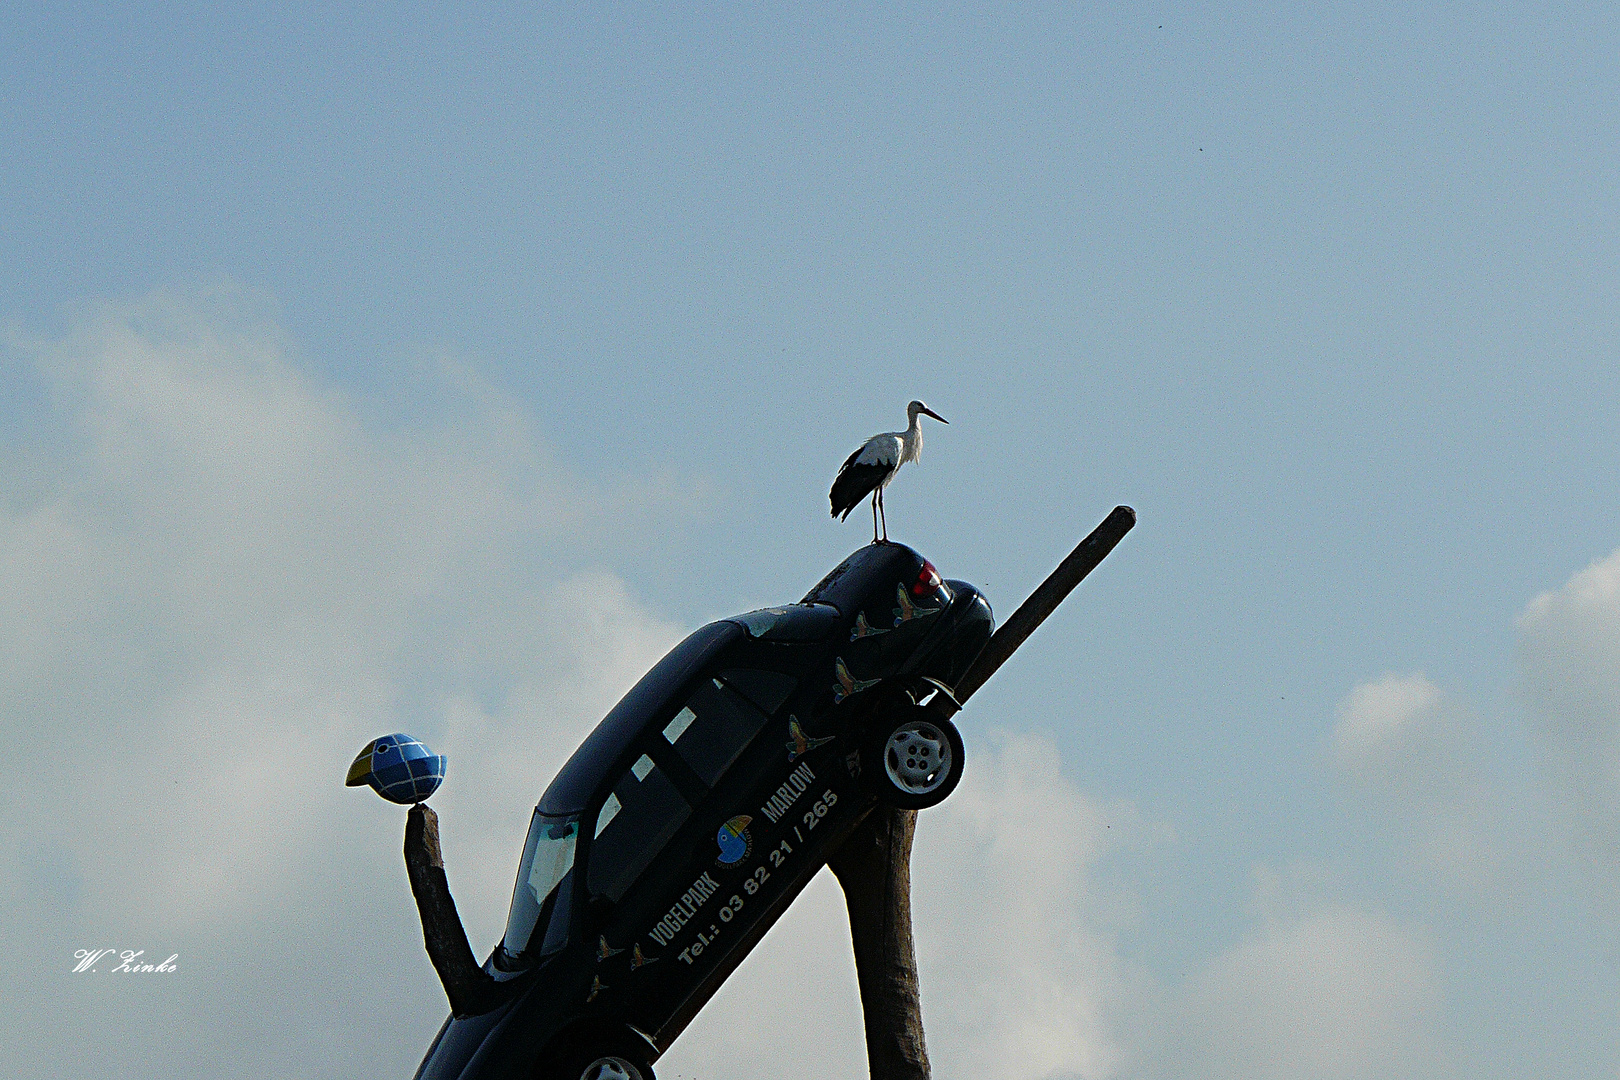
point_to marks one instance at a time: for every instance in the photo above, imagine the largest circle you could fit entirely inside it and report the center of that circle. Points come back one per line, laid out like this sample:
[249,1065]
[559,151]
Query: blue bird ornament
[399,768]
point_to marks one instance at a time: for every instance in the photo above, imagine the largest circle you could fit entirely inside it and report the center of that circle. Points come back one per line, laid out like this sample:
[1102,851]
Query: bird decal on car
[800,744]
[863,629]
[909,609]
[847,683]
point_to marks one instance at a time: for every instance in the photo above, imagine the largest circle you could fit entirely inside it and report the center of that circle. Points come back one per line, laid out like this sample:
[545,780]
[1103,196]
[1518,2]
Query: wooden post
[874,864]
[470,988]
[874,868]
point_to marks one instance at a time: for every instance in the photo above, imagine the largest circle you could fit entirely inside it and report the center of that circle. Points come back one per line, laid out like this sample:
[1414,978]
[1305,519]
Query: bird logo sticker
[639,961]
[862,629]
[907,609]
[734,841]
[602,950]
[847,683]
[800,744]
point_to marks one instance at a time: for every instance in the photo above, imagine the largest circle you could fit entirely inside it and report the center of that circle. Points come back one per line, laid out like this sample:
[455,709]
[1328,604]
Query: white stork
[869,469]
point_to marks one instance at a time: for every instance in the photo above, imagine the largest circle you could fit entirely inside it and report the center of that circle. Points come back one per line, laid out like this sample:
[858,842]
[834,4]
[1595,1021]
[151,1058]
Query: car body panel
[750,731]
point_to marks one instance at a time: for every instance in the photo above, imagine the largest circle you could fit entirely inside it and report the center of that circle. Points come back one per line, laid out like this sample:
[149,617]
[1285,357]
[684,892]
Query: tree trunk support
[470,988]
[874,867]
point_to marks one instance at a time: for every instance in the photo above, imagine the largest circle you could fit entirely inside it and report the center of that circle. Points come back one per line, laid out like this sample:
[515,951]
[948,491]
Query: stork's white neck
[911,441]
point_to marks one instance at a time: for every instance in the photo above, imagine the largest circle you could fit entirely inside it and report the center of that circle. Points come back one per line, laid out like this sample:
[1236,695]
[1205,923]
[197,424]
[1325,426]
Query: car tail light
[928,580]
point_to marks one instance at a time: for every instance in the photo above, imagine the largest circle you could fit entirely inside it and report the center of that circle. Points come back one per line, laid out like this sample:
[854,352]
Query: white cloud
[1411,755]
[1495,856]
[1569,646]
[1333,994]
[222,583]
[1381,716]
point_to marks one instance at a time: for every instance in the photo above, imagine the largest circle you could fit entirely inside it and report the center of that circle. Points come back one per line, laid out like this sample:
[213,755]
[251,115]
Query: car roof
[874,567]
[602,748]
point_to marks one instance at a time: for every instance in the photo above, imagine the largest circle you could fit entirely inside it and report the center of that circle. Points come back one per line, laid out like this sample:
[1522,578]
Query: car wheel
[613,1067]
[919,756]
[604,1063]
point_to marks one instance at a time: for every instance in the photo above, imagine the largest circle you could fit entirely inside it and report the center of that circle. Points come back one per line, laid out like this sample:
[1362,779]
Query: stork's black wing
[855,481]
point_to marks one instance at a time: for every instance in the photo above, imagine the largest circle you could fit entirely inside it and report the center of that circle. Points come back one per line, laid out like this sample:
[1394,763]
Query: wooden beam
[1044,600]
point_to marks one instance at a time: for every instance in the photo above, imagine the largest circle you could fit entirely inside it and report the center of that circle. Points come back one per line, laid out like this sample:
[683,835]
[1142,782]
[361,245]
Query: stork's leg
[875,496]
[884,516]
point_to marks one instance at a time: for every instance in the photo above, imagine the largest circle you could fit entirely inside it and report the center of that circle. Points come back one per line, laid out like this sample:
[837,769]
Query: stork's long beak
[935,415]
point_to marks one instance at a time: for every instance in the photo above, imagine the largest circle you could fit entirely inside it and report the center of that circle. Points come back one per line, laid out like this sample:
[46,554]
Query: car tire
[918,757]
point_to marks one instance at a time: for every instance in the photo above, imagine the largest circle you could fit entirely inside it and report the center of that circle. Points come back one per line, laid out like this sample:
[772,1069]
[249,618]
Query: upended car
[689,820]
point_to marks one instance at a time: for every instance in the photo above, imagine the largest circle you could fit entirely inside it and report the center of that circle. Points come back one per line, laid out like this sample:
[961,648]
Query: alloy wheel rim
[917,758]
[610,1068]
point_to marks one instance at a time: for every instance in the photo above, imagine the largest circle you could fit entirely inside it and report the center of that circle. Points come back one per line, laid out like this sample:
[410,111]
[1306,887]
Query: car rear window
[713,727]
[634,824]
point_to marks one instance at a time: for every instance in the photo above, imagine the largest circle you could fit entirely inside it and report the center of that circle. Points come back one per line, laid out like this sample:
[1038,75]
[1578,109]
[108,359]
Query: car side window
[767,689]
[712,729]
[634,824]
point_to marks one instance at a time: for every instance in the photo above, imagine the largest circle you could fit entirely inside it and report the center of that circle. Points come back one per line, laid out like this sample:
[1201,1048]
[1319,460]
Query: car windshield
[541,897]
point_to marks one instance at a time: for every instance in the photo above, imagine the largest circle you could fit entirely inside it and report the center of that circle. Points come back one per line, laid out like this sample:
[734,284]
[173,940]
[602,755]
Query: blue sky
[383,333]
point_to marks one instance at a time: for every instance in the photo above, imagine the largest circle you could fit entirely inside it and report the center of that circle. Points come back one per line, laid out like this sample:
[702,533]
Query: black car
[688,821]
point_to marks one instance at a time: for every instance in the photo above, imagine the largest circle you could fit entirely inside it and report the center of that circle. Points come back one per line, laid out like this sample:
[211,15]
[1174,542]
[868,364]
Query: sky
[370,368]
